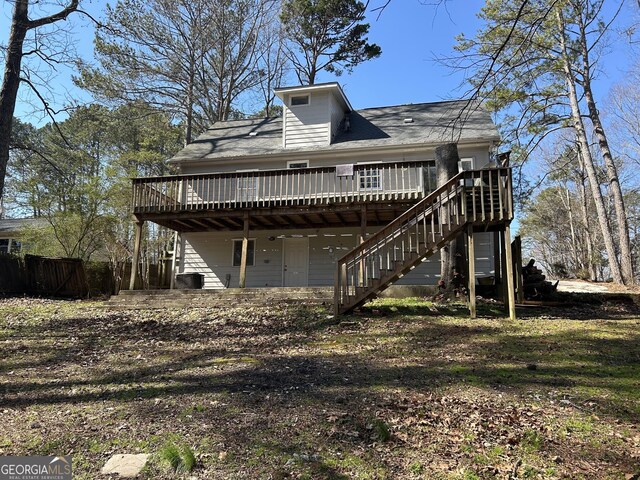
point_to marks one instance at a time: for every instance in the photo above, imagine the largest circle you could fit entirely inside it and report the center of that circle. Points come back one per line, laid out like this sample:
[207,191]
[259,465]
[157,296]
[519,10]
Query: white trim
[292,162]
[303,95]
[282,93]
[472,160]
[285,109]
[334,153]
[233,251]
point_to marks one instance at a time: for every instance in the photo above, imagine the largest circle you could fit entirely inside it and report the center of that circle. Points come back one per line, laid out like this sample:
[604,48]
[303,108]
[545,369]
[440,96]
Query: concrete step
[209,298]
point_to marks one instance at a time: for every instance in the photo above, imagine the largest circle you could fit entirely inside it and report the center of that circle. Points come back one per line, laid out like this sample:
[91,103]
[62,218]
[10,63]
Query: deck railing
[300,186]
[476,197]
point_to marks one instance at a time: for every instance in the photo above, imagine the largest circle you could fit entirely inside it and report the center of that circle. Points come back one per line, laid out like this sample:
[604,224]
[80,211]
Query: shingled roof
[9,226]
[431,124]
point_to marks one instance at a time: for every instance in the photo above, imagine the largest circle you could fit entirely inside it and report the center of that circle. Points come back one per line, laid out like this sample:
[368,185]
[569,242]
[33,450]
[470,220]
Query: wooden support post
[497,264]
[472,272]
[517,258]
[503,270]
[136,254]
[363,234]
[337,290]
[245,249]
[174,261]
[510,299]
[363,223]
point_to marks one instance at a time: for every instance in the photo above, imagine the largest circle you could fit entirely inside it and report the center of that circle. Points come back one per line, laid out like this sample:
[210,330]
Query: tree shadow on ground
[156,360]
[251,375]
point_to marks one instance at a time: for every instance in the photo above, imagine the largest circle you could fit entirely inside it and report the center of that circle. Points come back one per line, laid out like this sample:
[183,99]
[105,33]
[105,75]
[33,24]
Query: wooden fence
[70,277]
[34,275]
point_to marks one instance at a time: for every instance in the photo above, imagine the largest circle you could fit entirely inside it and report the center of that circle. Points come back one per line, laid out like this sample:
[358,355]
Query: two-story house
[279,201]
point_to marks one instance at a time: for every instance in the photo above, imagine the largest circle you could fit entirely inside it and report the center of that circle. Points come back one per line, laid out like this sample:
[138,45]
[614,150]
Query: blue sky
[411,34]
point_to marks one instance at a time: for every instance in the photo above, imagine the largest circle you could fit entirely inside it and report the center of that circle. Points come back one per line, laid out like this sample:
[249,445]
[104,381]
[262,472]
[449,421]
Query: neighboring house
[276,202]
[11,233]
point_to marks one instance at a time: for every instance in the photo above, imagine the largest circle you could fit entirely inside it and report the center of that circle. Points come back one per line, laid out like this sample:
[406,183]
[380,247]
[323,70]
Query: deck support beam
[245,249]
[363,237]
[517,260]
[135,261]
[472,272]
[497,260]
[510,297]
[174,260]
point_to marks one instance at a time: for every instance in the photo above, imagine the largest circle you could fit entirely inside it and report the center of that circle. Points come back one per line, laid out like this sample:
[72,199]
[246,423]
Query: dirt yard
[403,390]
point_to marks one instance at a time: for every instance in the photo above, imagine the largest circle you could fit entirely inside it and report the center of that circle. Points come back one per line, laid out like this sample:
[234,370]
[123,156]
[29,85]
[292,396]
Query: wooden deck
[286,198]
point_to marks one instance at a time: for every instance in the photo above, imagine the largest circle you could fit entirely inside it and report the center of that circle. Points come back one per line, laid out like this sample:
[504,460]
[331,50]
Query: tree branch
[61,15]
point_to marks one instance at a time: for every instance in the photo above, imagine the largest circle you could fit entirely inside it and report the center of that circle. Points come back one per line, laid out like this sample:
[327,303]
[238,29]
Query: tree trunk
[626,261]
[583,145]
[451,258]
[576,263]
[11,82]
[588,240]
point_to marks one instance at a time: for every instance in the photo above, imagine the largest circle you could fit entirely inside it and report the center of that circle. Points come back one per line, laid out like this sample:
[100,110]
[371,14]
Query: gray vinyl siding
[484,254]
[324,251]
[210,253]
[308,125]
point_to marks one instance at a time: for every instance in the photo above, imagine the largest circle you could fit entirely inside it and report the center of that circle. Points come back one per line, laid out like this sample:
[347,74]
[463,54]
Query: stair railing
[476,196]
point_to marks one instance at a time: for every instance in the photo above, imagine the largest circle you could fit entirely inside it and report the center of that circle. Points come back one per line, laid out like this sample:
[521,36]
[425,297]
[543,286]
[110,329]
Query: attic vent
[408,120]
[253,134]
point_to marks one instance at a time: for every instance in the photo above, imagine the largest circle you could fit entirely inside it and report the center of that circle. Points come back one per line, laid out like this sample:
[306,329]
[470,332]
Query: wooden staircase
[481,198]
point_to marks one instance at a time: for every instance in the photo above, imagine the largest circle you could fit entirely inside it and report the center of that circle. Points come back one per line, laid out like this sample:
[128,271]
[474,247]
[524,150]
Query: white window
[465,164]
[247,189]
[298,164]
[299,100]
[369,179]
[237,253]
[431,181]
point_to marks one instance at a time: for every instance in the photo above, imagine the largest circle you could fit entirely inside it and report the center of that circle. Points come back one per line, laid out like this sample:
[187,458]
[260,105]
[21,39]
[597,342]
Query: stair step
[421,243]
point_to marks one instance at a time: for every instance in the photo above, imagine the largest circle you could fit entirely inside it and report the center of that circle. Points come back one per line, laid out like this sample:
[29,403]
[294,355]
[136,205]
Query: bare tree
[192,58]
[273,65]
[20,26]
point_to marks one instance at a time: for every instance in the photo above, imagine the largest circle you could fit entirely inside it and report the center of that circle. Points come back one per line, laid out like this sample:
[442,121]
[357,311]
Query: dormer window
[299,100]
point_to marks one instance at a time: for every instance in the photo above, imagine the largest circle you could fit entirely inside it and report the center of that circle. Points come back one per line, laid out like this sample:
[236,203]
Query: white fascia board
[333,153]
[334,87]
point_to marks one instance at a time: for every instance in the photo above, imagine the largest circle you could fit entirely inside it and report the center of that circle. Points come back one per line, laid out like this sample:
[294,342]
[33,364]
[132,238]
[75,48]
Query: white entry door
[296,262]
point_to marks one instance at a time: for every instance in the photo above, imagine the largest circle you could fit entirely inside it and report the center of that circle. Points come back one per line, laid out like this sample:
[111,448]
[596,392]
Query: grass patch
[380,431]
[531,441]
[179,458]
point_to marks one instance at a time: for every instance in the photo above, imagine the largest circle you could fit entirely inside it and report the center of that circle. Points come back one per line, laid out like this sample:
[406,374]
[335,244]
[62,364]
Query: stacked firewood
[535,285]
